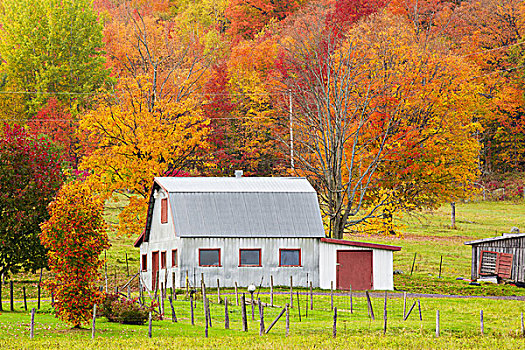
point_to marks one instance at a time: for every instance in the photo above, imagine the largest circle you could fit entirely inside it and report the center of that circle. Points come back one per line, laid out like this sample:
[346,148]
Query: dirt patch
[416,238]
[439,238]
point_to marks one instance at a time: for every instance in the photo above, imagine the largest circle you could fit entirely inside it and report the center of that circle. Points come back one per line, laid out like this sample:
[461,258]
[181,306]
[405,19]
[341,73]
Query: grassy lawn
[428,235]
[459,322]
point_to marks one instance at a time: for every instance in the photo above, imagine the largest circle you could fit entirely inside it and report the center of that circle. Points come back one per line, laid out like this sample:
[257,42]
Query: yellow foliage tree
[152,123]
[135,143]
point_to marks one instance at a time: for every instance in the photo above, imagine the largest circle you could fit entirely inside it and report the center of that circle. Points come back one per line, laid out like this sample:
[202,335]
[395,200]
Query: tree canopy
[30,175]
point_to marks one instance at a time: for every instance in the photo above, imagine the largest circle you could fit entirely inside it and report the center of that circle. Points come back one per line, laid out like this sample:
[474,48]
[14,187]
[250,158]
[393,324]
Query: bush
[125,311]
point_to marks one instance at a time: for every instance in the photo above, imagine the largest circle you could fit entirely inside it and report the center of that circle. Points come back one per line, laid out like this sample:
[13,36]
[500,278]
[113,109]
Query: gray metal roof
[499,238]
[243,207]
[232,184]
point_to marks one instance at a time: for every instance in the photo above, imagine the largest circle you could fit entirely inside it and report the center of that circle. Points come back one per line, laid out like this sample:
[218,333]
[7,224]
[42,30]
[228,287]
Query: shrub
[126,311]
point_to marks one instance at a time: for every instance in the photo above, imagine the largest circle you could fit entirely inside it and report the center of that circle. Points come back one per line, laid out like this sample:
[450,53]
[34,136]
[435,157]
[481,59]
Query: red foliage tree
[30,175]
[248,17]
[75,236]
[55,121]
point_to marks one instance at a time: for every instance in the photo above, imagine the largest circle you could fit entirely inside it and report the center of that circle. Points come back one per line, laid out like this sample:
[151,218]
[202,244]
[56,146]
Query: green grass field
[428,234]
[459,322]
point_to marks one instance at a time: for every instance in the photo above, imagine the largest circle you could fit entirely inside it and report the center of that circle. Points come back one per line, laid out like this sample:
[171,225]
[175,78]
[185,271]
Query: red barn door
[354,268]
[154,269]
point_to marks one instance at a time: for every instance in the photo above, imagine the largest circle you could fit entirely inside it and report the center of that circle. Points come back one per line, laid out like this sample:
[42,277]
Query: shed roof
[242,207]
[493,239]
[362,244]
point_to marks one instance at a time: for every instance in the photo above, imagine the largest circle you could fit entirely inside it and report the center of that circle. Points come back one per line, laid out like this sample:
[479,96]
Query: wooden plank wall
[514,246]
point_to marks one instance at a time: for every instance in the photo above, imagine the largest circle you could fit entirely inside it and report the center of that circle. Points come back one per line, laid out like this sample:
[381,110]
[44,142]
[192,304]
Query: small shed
[502,256]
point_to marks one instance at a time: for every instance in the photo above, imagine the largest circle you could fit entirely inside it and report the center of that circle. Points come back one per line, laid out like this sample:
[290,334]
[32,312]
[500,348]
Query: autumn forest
[385,106]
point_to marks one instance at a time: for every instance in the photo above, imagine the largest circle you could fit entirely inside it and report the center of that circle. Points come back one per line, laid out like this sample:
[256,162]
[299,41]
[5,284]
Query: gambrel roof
[241,207]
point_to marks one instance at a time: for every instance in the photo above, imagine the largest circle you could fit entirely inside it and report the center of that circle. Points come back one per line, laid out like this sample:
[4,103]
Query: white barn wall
[162,239]
[382,265]
[230,272]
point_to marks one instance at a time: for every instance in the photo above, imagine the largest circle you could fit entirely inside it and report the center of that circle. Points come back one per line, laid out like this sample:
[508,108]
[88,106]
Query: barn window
[494,263]
[289,257]
[249,257]
[164,210]
[144,262]
[174,258]
[163,260]
[209,257]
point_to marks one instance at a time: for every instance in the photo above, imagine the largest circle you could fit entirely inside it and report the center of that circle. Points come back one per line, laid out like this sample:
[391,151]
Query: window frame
[163,261]
[289,249]
[250,249]
[164,211]
[144,262]
[174,259]
[210,249]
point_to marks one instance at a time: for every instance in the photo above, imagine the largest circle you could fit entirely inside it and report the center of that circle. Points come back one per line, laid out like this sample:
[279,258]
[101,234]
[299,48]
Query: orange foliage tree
[248,17]
[75,236]
[380,122]
[244,96]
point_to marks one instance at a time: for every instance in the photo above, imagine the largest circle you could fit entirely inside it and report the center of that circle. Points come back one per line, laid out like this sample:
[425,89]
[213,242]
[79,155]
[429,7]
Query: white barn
[246,229]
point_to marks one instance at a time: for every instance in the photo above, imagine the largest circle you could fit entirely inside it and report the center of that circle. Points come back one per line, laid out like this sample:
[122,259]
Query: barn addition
[246,229]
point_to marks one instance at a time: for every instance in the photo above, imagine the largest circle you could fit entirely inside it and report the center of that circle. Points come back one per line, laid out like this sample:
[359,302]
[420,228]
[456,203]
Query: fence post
[311,297]
[334,330]
[437,323]
[271,290]
[252,303]
[38,296]
[236,295]
[370,308]
[11,296]
[291,291]
[351,301]
[244,317]
[192,314]
[218,292]
[93,321]
[404,305]
[276,319]
[205,304]
[331,295]
[413,263]
[208,311]
[261,317]
[287,320]
[173,315]
[226,315]
[298,306]
[481,322]
[127,265]
[32,330]
[25,297]
[149,325]
[385,315]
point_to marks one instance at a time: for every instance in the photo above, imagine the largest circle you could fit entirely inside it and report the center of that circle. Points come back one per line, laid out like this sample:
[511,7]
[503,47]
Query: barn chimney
[238,174]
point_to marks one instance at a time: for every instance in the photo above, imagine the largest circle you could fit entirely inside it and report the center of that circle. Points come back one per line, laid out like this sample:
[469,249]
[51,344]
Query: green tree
[30,175]
[49,47]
